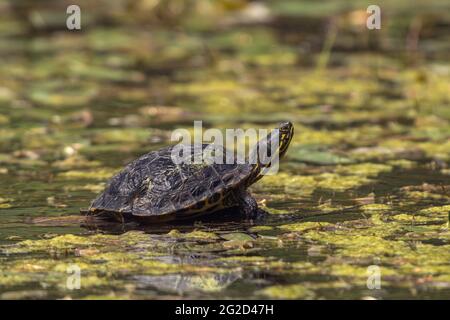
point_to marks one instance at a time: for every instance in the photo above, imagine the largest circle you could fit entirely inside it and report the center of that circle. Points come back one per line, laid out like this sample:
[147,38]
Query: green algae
[100,258]
[365,169]
[197,234]
[439,210]
[305,185]
[100,174]
[377,207]
[121,136]
[311,155]
[238,240]
[237,236]
[301,227]
[295,291]
[5,203]
[260,228]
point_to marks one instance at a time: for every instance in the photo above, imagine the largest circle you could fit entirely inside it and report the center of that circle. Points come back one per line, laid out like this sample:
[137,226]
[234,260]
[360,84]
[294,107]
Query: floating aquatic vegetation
[293,291]
[309,155]
[101,174]
[5,203]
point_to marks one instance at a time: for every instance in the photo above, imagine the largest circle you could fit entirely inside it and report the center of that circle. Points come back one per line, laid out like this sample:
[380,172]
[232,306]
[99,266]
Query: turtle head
[286,132]
[271,148]
[277,141]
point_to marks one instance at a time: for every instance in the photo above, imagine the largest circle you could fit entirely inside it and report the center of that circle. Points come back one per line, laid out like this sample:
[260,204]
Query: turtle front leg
[248,205]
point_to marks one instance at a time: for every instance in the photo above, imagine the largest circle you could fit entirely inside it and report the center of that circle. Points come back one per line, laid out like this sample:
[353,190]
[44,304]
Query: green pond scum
[359,209]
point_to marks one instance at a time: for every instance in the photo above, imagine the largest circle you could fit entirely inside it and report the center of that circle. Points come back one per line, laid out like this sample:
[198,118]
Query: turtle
[155,188]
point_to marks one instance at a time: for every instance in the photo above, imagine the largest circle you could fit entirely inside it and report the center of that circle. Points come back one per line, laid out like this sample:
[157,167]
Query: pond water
[359,209]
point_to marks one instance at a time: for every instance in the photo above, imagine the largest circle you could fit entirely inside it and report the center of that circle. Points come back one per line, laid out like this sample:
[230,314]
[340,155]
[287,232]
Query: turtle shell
[153,185]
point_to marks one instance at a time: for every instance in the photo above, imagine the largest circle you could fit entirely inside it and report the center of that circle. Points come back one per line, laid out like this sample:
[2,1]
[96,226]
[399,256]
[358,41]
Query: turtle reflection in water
[155,189]
[182,283]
